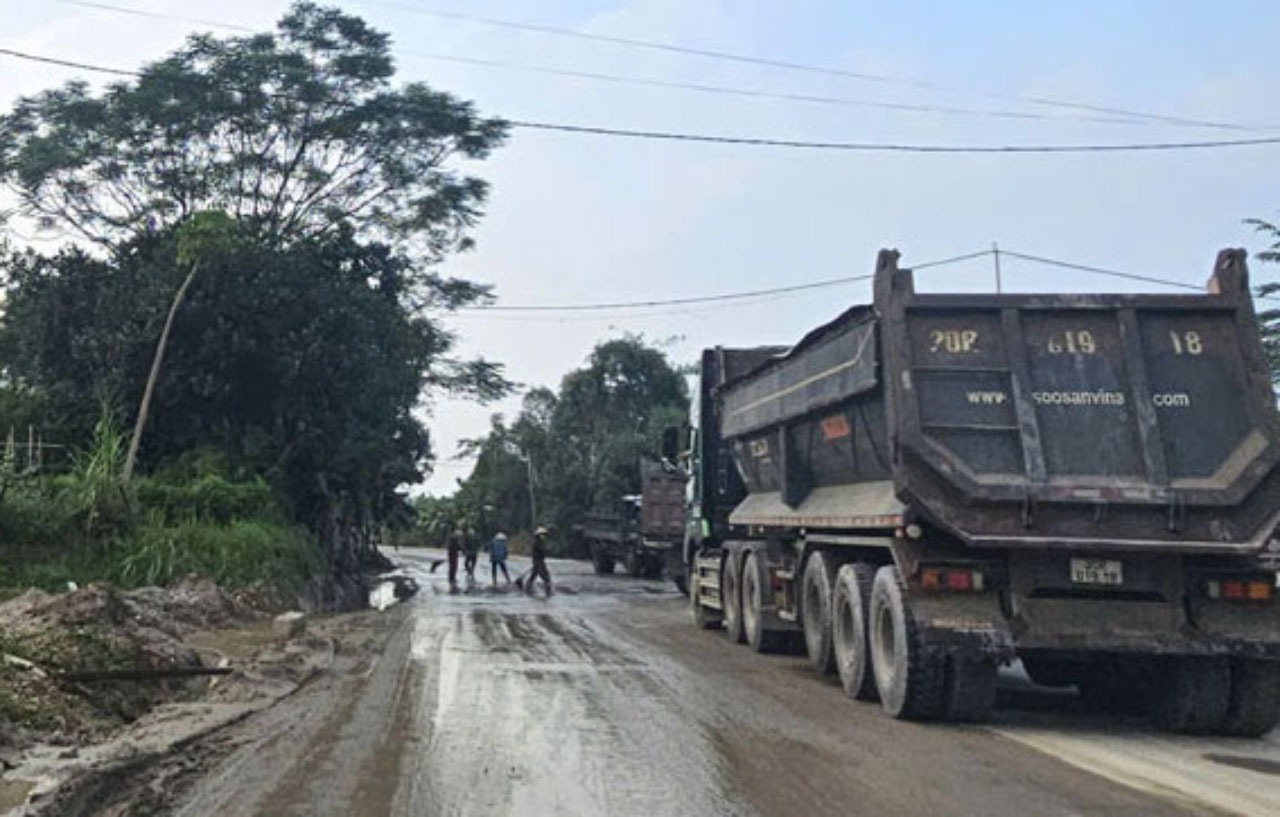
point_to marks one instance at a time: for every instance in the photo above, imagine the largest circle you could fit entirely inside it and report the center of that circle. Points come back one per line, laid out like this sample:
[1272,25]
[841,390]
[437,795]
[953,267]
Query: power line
[675,48]
[719,298]
[751,93]
[1099,270]
[753,141]
[889,147]
[647,82]
[697,299]
[783,291]
[1088,108]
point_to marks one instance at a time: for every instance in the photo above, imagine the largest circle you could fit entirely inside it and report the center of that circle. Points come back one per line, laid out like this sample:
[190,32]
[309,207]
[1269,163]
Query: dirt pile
[43,638]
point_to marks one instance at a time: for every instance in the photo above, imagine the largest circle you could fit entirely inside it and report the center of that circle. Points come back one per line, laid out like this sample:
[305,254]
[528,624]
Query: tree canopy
[319,201]
[296,133]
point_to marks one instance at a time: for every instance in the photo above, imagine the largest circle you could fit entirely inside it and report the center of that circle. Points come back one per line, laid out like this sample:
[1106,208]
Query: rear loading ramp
[1101,420]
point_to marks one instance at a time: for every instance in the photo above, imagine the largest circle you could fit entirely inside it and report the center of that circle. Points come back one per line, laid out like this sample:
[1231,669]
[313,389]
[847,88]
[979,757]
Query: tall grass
[87,525]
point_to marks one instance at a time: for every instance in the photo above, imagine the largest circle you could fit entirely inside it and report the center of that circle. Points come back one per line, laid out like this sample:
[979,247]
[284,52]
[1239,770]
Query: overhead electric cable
[699,299]
[890,147]
[765,294]
[648,82]
[1038,259]
[753,141]
[1090,108]
[676,48]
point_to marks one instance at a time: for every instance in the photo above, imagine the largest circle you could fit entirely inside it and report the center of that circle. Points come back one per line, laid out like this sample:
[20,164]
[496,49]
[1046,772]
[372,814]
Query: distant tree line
[578,447]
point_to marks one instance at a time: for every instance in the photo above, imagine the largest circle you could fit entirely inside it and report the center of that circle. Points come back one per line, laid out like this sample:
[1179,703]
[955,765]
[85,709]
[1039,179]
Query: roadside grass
[87,525]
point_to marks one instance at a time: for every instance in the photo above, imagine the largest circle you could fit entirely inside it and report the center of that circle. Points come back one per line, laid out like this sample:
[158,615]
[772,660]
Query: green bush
[235,554]
[209,498]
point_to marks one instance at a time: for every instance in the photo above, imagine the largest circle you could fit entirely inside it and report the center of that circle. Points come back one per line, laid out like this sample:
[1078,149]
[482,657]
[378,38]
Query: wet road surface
[604,700]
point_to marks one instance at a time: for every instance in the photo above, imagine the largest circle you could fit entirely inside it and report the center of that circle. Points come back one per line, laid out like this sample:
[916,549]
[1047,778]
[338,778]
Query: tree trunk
[156,363]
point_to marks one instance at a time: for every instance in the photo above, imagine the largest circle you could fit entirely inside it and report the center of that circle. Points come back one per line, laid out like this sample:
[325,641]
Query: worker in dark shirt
[498,557]
[471,547]
[456,541]
[539,569]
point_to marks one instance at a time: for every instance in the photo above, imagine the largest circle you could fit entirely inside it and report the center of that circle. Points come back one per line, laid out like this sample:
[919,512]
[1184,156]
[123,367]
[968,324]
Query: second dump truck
[642,532]
[931,486]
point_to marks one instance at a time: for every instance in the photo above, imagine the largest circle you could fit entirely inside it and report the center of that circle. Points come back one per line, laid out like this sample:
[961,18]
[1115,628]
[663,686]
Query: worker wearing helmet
[539,569]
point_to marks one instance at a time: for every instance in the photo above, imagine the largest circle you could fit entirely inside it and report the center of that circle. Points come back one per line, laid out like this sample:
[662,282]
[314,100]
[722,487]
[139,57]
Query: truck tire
[849,611]
[754,584]
[634,564]
[1193,695]
[704,618]
[1254,708]
[731,598]
[970,688]
[816,591]
[601,561]
[911,679]
[681,580]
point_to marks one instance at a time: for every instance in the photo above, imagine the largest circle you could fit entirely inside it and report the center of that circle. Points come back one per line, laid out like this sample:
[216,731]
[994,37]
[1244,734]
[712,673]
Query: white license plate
[1097,571]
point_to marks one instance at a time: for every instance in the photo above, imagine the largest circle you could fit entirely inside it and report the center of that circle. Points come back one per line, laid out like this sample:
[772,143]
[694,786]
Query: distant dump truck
[643,532]
[931,486]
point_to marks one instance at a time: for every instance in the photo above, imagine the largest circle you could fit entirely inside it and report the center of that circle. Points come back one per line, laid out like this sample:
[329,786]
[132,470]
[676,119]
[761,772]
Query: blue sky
[578,219]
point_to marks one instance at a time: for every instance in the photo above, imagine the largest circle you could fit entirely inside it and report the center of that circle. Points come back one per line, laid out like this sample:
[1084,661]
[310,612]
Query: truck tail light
[954,579]
[1240,589]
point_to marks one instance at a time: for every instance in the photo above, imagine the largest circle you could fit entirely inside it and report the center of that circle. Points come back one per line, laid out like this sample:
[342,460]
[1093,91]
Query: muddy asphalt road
[604,700]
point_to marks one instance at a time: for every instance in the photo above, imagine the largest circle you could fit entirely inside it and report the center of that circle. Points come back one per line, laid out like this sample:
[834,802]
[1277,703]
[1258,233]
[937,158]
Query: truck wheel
[815,607]
[681,580]
[603,565]
[971,688]
[849,613]
[911,681]
[634,564]
[732,600]
[1254,709]
[753,591]
[1193,695]
[703,618]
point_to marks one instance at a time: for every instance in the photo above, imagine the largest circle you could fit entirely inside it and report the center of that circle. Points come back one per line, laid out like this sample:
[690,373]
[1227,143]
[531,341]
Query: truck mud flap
[963,625]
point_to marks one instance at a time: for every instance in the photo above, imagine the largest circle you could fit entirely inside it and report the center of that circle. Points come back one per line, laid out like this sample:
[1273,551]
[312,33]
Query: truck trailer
[934,485]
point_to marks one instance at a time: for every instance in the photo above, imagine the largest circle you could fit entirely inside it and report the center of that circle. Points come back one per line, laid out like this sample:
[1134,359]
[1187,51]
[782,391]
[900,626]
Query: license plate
[1097,571]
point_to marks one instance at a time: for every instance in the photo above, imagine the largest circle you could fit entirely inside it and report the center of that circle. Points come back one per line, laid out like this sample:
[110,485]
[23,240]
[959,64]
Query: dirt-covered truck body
[932,485]
[642,532]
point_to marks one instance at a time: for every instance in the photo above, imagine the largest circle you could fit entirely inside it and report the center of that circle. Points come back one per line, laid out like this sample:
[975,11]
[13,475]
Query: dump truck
[644,532]
[931,486]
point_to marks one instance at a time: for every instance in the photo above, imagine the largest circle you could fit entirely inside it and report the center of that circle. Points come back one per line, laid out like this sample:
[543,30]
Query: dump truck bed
[1099,421]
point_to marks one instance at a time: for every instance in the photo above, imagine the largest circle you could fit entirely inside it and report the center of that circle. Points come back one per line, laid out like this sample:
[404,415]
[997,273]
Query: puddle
[1253,764]
[383,596]
[392,589]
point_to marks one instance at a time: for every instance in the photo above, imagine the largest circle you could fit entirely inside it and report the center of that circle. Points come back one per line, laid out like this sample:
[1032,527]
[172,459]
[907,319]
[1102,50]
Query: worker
[471,546]
[498,557]
[455,548]
[539,569]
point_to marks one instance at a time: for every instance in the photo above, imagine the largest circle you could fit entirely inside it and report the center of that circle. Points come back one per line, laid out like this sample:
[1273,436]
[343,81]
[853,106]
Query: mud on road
[605,700]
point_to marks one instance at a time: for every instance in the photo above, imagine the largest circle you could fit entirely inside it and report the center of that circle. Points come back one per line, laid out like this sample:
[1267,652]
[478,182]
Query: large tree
[297,133]
[306,342]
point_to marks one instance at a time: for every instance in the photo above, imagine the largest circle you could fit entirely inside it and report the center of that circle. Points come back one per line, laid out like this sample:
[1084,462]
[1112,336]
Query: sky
[589,219]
